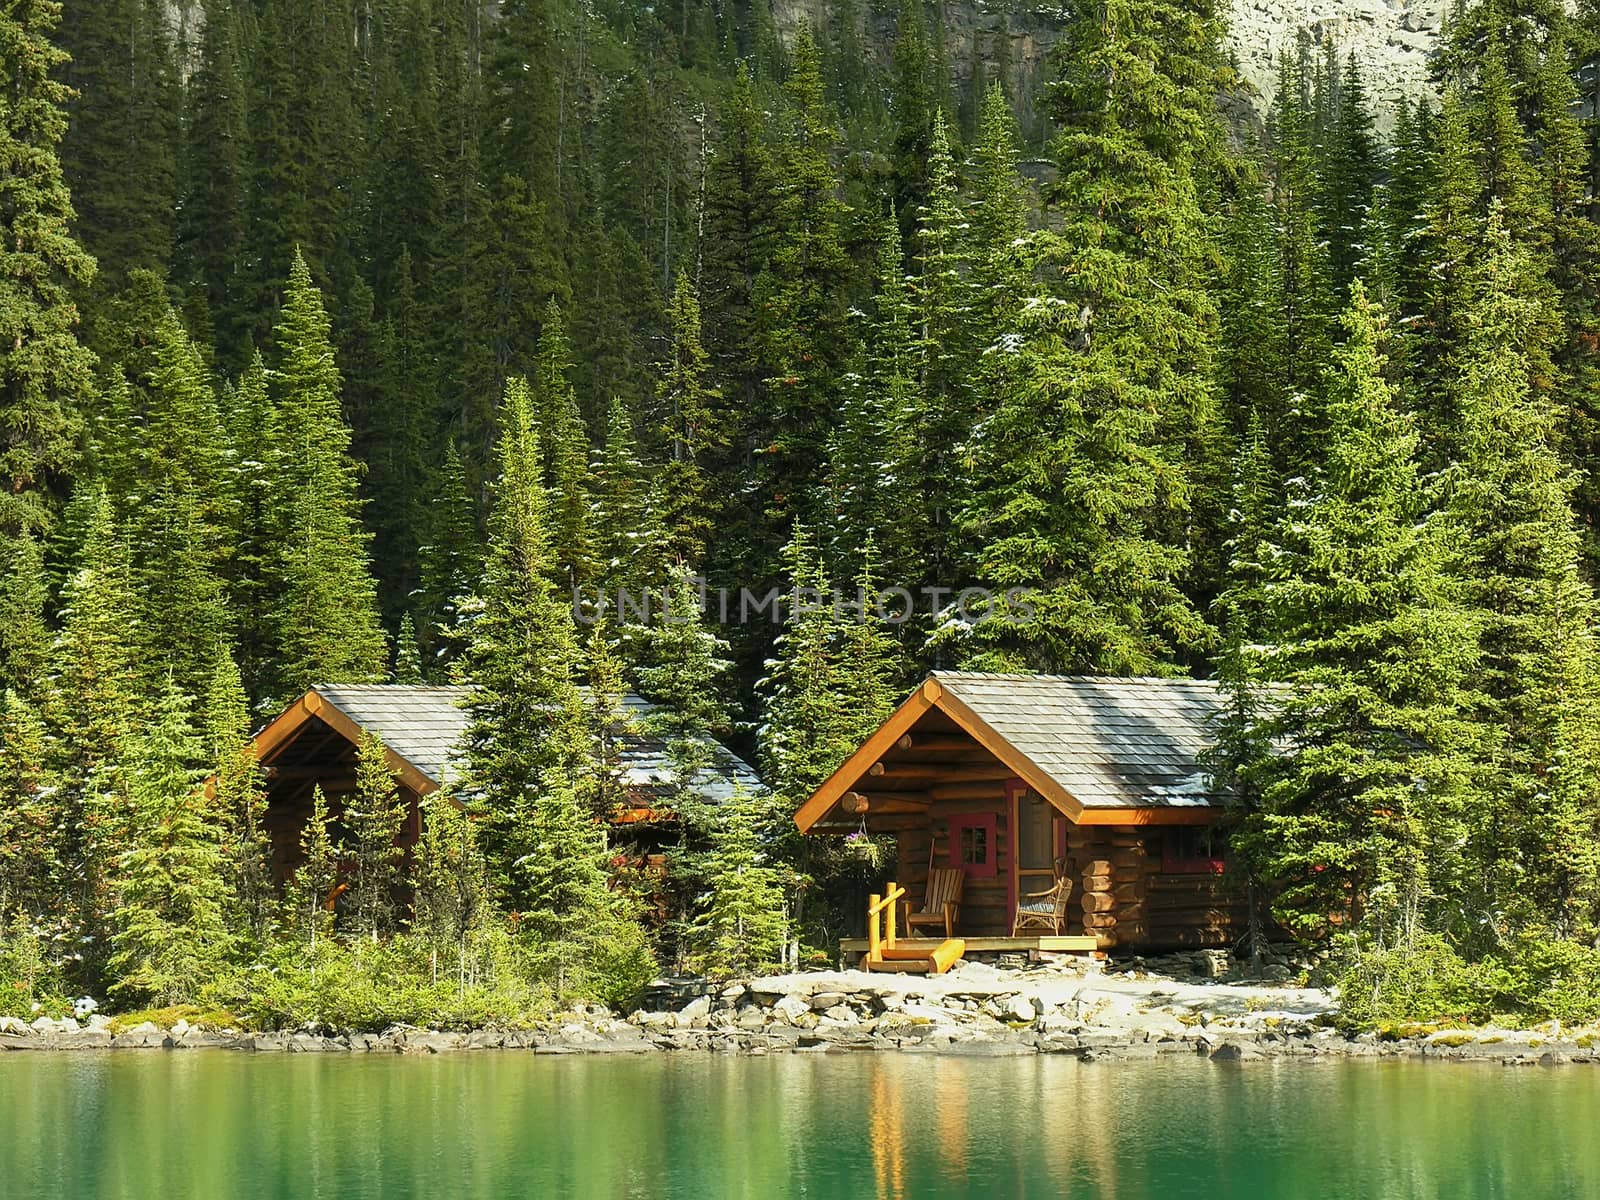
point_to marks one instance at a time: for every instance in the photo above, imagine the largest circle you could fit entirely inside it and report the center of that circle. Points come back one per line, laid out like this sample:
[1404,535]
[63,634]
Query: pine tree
[326,623]
[24,639]
[170,926]
[374,818]
[1361,807]
[1107,415]
[526,731]
[309,898]
[29,820]
[183,515]
[211,228]
[684,677]
[46,376]
[451,561]
[239,799]
[452,890]
[563,451]
[255,584]
[119,151]
[1520,560]
[742,925]
[407,666]
[802,300]
[628,546]
[688,399]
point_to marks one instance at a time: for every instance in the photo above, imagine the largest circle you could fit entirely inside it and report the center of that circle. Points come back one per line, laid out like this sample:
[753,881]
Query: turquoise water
[216,1124]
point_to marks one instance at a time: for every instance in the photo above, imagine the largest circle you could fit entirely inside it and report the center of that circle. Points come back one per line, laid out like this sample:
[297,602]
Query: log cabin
[313,743]
[1020,779]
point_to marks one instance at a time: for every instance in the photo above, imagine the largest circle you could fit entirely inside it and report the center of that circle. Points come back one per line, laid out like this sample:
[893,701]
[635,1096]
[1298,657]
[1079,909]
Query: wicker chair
[941,901]
[1044,910]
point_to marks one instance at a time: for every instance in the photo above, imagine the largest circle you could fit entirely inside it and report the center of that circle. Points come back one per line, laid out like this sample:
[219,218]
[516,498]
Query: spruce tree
[239,799]
[24,639]
[119,151]
[1107,415]
[452,891]
[1520,553]
[526,731]
[1361,800]
[688,402]
[46,376]
[563,452]
[29,818]
[742,925]
[170,928]
[309,896]
[373,818]
[451,560]
[326,622]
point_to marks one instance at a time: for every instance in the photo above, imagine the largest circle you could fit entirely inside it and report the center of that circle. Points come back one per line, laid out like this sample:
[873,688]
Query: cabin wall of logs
[1120,893]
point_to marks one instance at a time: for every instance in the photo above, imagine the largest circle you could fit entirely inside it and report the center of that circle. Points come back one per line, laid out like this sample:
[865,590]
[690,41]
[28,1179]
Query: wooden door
[1039,833]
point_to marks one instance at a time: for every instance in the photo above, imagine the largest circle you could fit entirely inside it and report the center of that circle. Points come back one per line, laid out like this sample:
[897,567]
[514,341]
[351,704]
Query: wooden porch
[1046,943]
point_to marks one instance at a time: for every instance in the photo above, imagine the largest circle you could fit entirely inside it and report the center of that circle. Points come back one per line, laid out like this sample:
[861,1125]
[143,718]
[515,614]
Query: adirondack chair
[941,900]
[1044,910]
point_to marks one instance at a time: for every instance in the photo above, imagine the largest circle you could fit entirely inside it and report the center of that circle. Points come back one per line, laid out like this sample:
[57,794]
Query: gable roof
[424,732]
[1104,750]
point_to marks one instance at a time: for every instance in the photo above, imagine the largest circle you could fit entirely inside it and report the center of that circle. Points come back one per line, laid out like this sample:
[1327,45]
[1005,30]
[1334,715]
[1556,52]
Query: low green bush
[1537,977]
[31,982]
[369,986]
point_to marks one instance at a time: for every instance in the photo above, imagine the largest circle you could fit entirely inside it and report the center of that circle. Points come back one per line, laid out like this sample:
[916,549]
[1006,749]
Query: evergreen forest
[394,340]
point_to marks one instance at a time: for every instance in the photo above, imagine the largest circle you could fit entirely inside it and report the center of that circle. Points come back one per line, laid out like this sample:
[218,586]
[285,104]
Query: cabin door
[1040,840]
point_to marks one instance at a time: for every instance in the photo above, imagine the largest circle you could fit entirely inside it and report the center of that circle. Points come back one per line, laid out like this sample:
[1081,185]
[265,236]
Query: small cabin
[314,743]
[1021,780]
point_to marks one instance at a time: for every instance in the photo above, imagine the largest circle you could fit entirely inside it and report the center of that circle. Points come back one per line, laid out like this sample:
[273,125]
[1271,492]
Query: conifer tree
[451,560]
[688,399]
[310,894]
[29,820]
[802,300]
[239,799]
[374,817]
[1535,688]
[563,452]
[684,677]
[526,731]
[742,925]
[628,546]
[407,666]
[255,584]
[326,622]
[119,153]
[452,891]
[1361,807]
[46,376]
[1083,473]
[211,229]
[24,639]
[170,926]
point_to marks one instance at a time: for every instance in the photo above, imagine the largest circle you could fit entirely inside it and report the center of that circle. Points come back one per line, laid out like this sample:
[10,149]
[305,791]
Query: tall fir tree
[1361,790]
[46,375]
[170,927]
[326,622]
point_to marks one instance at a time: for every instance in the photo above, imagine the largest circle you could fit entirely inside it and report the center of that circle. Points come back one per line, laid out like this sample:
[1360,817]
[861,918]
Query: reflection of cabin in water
[313,743]
[1018,779]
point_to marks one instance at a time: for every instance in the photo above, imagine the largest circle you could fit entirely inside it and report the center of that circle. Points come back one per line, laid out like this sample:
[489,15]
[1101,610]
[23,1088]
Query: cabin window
[972,844]
[1193,850]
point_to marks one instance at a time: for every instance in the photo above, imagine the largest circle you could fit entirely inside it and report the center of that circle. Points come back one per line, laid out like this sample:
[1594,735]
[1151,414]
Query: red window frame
[985,822]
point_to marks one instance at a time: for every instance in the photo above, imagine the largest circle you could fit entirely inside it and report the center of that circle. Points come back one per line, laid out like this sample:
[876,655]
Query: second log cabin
[1018,779]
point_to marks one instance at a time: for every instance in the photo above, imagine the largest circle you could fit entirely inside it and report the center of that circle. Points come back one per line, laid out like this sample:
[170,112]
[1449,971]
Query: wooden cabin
[314,741]
[1018,779]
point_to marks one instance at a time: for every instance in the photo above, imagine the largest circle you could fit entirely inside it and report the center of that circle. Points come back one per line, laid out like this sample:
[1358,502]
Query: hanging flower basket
[860,846]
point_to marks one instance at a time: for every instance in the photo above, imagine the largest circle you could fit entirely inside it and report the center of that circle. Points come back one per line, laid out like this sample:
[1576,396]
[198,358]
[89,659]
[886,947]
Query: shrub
[30,982]
[1538,977]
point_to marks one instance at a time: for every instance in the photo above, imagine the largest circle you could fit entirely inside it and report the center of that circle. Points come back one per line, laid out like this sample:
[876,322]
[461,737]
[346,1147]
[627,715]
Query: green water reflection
[169,1126]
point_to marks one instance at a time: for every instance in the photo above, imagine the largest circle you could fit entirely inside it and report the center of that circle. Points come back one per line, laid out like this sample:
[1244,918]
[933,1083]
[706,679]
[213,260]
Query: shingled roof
[1103,750]
[426,728]
[1110,742]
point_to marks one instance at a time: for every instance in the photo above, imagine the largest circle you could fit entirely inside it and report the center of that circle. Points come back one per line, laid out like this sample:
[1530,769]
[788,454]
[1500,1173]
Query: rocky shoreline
[976,1011]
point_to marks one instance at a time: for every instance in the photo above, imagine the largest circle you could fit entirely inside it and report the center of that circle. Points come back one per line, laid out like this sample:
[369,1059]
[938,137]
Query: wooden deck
[1064,944]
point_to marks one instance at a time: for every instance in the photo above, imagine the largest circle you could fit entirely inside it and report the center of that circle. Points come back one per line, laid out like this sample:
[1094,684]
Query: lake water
[230,1126]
